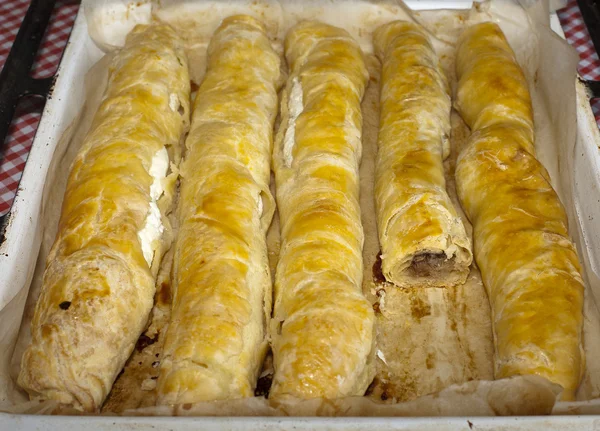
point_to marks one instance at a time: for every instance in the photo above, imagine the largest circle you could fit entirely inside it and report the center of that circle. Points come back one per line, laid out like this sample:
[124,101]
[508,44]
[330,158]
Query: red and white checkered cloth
[578,36]
[29,111]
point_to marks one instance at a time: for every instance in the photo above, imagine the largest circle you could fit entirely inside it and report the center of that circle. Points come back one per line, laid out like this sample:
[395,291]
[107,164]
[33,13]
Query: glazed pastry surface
[98,286]
[528,262]
[422,238]
[216,340]
[322,329]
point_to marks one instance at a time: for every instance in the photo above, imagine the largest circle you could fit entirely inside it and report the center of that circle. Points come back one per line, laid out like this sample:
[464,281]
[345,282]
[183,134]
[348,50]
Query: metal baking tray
[20,229]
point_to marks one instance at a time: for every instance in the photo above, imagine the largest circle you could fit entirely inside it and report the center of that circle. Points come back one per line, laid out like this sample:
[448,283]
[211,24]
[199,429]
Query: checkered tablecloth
[578,36]
[29,110]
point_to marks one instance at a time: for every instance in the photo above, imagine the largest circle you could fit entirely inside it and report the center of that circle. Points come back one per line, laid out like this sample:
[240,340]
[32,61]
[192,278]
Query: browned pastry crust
[216,339]
[98,286]
[528,262]
[423,240]
[322,328]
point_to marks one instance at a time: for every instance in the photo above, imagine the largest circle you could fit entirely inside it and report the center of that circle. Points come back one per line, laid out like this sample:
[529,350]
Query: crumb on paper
[149,384]
[381,295]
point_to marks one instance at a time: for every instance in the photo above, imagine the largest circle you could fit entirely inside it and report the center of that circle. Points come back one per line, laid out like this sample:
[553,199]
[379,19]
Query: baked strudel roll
[99,282]
[322,329]
[216,340]
[423,240]
[528,263]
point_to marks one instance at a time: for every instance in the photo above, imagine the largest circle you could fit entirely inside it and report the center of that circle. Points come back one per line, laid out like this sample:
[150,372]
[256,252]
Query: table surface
[29,110]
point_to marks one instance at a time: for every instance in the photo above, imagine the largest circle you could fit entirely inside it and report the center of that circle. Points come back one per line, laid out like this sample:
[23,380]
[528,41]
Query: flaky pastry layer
[423,240]
[98,288]
[216,340]
[322,329]
[528,263]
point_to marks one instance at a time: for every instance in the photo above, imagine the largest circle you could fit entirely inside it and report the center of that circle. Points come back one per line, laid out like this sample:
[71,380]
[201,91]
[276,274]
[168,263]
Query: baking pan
[22,237]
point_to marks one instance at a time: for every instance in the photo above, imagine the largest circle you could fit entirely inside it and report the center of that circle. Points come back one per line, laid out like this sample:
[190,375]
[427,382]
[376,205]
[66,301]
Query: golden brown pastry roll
[322,329]
[528,263]
[98,286]
[423,240]
[216,341]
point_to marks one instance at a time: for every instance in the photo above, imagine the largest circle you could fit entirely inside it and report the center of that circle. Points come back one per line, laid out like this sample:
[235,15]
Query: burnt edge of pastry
[378,276]
[263,386]
[65,305]
[145,341]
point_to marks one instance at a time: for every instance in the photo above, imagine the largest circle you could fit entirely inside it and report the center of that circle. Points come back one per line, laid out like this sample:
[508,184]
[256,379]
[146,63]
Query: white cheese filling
[380,356]
[153,228]
[295,108]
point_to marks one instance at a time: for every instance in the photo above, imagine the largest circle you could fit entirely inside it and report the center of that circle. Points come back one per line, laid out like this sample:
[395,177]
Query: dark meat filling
[427,264]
